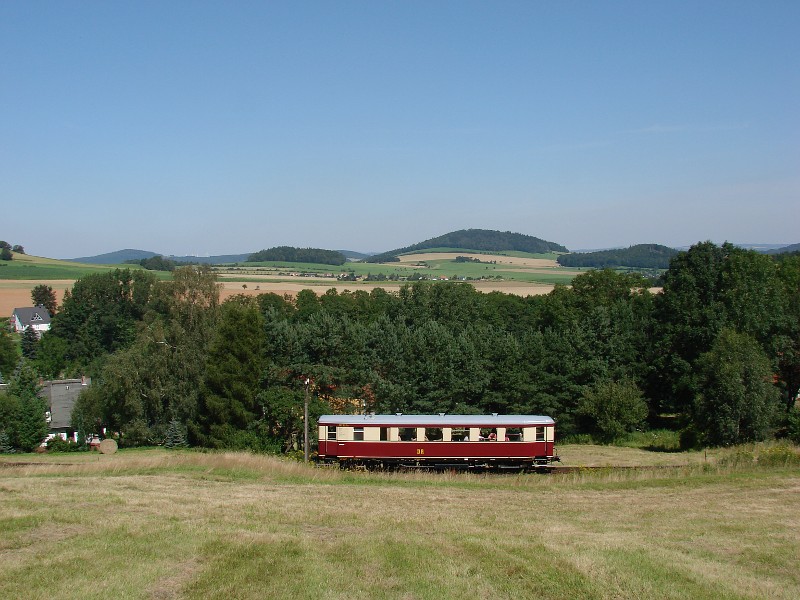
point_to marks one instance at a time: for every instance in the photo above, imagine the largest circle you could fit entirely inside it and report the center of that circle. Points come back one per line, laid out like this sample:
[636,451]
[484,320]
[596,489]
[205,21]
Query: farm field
[517,266]
[516,273]
[180,524]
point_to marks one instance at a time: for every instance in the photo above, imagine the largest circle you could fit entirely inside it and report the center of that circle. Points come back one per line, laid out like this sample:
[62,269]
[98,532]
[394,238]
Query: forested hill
[785,249]
[477,239]
[302,255]
[645,256]
[115,258]
[126,256]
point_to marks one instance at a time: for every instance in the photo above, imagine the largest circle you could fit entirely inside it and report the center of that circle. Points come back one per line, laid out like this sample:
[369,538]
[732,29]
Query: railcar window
[384,434]
[407,434]
[513,434]
[433,434]
[540,434]
[488,434]
[358,434]
[460,434]
[332,432]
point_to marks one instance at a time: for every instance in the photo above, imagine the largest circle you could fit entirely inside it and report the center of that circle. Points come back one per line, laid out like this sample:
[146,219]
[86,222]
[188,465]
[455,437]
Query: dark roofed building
[37,317]
[61,395]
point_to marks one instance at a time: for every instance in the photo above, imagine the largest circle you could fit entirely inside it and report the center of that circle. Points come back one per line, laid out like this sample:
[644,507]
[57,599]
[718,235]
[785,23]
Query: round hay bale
[108,446]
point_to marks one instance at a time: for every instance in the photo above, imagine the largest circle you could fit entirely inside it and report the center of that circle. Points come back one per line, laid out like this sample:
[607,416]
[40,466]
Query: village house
[36,317]
[60,396]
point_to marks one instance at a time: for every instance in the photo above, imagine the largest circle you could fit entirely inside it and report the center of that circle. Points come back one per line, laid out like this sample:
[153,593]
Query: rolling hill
[476,239]
[643,256]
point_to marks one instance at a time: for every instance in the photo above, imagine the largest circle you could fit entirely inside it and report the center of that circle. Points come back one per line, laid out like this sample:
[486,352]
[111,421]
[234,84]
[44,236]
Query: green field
[160,524]
[24,266]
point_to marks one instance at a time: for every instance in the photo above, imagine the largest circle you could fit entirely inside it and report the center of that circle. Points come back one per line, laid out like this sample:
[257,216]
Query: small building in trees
[60,396]
[35,317]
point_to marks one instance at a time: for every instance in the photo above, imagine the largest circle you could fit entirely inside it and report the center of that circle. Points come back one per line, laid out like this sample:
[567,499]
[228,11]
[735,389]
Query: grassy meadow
[182,524]
[24,266]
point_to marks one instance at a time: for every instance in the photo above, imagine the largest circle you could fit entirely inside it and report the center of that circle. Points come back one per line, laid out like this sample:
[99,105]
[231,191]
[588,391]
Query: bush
[689,439]
[656,440]
[137,433]
[612,408]
[577,438]
[782,455]
[793,426]
[58,444]
[737,458]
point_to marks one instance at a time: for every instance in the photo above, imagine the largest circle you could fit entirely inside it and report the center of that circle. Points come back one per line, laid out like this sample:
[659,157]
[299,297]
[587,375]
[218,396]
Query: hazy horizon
[200,128]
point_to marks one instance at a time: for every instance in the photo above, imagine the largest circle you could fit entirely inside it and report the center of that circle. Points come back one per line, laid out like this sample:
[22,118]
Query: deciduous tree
[44,295]
[737,401]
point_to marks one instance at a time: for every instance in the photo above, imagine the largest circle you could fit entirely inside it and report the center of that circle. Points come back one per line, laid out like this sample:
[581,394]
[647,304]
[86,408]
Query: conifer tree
[31,425]
[5,443]
[30,343]
[176,435]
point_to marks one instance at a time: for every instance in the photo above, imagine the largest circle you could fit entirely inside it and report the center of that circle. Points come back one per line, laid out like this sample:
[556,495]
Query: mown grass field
[160,524]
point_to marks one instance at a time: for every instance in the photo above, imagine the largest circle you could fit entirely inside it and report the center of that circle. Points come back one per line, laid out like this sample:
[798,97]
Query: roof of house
[32,315]
[61,395]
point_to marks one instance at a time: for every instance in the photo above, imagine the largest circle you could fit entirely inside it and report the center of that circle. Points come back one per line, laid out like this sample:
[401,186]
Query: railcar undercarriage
[474,465]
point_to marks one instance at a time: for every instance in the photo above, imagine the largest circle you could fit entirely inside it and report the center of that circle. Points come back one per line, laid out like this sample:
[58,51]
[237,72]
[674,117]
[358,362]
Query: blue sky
[225,127]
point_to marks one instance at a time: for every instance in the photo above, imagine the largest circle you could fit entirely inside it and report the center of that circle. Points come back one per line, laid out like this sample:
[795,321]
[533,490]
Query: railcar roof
[442,420]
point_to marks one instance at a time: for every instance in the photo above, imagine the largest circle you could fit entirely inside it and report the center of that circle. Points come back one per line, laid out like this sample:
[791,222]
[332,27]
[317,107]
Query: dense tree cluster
[476,239]
[718,351]
[642,256]
[157,263]
[299,255]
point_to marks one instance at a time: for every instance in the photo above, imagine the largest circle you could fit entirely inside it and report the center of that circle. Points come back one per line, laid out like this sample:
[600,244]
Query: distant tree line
[716,355]
[644,256]
[476,239]
[300,255]
[158,263]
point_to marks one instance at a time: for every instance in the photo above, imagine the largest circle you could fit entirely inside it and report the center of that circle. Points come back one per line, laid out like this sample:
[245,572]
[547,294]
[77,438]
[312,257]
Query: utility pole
[305,421]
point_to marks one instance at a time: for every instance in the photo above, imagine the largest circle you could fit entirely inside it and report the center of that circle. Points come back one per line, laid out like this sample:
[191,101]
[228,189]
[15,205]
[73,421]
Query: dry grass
[160,524]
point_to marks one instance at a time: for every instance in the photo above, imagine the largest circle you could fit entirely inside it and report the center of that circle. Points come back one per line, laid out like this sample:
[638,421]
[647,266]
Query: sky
[205,128]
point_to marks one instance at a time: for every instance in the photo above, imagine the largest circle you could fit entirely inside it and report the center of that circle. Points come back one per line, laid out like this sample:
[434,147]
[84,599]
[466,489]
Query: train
[477,443]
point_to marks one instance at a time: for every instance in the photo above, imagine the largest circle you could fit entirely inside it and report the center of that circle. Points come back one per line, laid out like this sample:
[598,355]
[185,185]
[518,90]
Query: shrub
[737,458]
[782,455]
[613,409]
[793,426]
[58,444]
[689,439]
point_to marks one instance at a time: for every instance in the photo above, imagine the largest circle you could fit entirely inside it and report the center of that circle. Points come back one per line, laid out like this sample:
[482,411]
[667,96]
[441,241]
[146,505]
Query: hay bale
[108,446]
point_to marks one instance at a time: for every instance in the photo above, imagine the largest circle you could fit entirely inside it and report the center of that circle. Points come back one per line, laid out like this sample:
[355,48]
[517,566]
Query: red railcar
[474,442]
